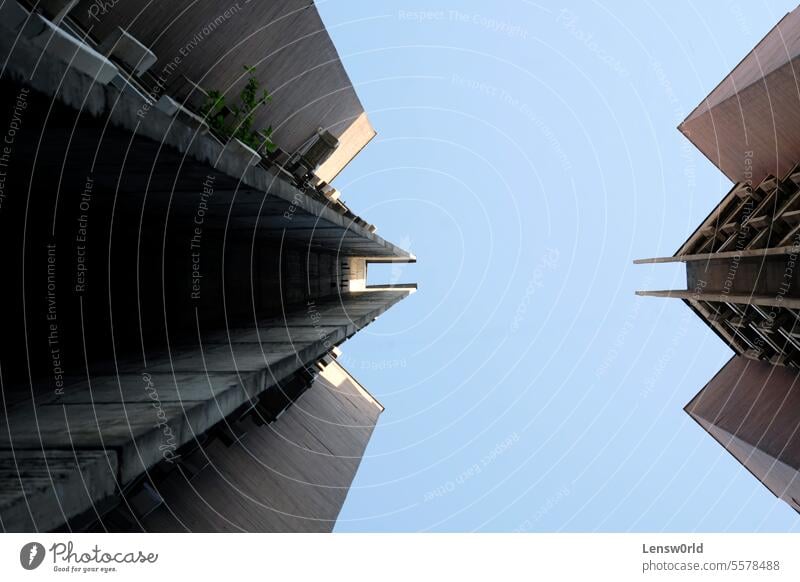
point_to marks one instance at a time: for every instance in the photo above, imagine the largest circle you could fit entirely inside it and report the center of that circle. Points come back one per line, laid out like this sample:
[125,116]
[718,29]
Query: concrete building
[291,488]
[742,271]
[170,290]
[204,45]
[746,124]
[750,408]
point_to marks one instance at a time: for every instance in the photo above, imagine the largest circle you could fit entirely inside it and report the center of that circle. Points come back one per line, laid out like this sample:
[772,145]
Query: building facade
[742,270]
[172,288]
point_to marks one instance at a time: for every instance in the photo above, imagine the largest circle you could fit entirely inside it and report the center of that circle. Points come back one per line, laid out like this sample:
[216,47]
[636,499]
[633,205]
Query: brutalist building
[179,268]
[743,261]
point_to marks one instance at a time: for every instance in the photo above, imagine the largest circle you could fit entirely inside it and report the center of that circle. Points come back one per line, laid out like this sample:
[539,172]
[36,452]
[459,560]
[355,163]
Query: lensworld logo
[31,555]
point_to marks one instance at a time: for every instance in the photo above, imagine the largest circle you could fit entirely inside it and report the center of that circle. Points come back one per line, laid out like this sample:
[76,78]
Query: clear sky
[527,153]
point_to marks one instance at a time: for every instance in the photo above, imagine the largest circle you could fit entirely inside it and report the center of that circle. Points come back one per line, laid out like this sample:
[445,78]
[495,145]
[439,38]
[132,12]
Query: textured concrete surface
[144,412]
[287,42]
[750,408]
[748,125]
[131,328]
[40,490]
[292,475]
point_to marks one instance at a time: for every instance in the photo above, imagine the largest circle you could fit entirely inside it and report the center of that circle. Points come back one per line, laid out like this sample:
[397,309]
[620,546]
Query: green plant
[237,119]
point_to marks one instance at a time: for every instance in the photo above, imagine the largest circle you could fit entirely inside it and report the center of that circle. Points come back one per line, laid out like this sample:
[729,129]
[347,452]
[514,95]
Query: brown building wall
[292,475]
[749,125]
[753,410]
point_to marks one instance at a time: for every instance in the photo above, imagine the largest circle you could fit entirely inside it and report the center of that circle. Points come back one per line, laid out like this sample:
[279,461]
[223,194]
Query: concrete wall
[770,275]
[292,475]
[176,366]
[128,269]
[350,144]
[778,477]
[209,42]
[749,126]
[751,408]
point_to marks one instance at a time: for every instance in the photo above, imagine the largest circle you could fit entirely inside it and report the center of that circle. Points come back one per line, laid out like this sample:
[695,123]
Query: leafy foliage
[237,119]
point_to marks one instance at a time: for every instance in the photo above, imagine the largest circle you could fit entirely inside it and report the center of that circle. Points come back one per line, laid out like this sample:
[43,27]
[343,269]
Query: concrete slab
[40,490]
[141,433]
[148,386]
[128,50]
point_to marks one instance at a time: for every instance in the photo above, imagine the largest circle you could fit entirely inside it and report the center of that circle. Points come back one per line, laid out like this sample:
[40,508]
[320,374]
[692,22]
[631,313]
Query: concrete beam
[737,298]
[785,250]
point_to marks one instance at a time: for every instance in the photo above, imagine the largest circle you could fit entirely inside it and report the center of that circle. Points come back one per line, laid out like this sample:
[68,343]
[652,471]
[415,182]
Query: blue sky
[527,153]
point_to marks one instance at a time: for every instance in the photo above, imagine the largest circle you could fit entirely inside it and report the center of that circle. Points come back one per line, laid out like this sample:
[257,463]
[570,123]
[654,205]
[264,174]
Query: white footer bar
[416,557]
